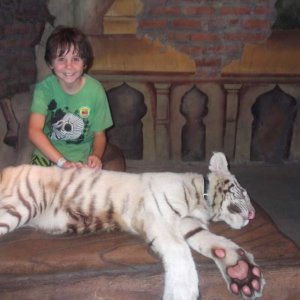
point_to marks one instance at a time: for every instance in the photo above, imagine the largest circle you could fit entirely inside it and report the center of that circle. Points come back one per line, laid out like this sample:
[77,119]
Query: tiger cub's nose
[251,214]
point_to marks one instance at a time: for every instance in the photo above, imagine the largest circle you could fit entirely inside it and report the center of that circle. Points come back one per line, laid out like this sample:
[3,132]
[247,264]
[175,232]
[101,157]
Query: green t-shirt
[72,120]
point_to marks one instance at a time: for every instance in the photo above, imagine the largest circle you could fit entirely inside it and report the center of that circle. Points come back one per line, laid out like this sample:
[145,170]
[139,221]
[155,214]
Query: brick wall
[213,32]
[21,25]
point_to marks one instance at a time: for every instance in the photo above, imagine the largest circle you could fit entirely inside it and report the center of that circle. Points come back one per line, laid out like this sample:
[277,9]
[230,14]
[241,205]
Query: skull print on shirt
[70,127]
[65,125]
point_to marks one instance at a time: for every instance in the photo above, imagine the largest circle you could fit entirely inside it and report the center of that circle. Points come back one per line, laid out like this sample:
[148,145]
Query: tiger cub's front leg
[242,275]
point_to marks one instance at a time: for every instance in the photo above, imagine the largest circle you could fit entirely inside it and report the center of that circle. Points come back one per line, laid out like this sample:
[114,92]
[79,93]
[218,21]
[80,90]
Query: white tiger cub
[170,211]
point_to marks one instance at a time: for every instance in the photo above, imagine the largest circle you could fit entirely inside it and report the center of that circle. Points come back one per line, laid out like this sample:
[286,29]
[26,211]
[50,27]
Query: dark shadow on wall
[288,14]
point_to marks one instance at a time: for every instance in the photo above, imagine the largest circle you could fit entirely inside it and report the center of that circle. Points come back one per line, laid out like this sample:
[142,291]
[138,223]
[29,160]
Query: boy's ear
[50,66]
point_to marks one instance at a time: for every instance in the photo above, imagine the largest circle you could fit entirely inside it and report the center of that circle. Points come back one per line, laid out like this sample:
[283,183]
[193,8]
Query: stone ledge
[276,57]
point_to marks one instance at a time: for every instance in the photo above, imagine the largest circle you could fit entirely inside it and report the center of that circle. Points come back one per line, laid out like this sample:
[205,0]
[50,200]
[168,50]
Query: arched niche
[127,108]
[272,127]
[147,120]
[194,109]
[248,96]
[213,121]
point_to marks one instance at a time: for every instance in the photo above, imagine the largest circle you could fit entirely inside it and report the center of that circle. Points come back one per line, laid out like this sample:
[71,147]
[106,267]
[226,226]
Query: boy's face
[68,68]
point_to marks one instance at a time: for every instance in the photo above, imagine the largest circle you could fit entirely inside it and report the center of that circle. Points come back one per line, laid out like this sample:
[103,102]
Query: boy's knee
[113,159]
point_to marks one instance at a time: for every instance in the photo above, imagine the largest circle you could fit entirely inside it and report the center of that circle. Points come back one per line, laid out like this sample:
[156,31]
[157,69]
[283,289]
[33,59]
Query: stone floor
[277,189]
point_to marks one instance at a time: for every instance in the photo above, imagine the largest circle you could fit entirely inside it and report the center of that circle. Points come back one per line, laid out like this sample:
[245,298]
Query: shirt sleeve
[39,102]
[102,115]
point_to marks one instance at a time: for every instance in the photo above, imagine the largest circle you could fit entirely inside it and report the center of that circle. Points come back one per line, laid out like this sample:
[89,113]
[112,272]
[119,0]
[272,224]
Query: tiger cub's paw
[244,278]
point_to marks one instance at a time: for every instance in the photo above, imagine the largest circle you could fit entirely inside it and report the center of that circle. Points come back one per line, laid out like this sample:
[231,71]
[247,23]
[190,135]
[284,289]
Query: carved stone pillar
[162,121]
[232,105]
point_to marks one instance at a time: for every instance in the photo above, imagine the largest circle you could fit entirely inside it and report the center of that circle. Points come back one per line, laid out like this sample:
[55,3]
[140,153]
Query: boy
[70,111]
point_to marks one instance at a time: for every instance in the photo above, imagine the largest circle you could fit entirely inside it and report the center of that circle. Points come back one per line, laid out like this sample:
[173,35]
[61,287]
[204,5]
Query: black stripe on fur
[192,232]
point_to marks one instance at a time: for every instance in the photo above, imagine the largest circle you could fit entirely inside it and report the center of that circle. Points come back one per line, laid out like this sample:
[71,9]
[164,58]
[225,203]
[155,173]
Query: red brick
[186,23]
[214,49]
[229,49]
[178,36]
[255,24]
[197,11]
[170,11]
[266,2]
[235,10]
[262,10]
[201,36]
[244,36]
[11,29]
[233,21]
[192,50]
[216,24]
[18,28]
[8,44]
[152,24]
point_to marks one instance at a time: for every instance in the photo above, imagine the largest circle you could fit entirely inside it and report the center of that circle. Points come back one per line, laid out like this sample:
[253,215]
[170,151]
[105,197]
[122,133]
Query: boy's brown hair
[62,39]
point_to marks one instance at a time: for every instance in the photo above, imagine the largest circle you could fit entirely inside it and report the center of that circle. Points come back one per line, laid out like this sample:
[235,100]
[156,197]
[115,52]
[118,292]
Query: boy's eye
[77,59]
[60,59]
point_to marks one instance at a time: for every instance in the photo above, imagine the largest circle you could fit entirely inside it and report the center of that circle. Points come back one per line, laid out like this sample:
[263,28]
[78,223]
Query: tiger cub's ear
[218,163]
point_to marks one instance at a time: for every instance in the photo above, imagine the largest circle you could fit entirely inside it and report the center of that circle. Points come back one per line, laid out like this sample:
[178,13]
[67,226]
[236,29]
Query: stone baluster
[162,121]
[232,106]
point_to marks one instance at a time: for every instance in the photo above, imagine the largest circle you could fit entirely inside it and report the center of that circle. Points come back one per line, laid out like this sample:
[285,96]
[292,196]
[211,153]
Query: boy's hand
[71,164]
[94,162]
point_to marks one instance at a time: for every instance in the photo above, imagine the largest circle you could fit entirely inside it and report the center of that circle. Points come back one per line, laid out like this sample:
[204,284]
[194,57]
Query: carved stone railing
[227,123]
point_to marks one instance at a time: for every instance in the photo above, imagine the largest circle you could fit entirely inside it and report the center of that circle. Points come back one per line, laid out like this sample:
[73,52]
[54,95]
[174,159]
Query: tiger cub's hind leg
[10,218]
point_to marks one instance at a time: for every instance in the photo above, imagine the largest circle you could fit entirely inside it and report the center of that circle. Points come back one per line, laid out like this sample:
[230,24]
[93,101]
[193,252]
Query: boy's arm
[39,139]
[99,144]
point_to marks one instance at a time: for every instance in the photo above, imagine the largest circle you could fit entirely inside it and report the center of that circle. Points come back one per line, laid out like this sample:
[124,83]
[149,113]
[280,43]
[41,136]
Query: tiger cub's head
[230,202]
